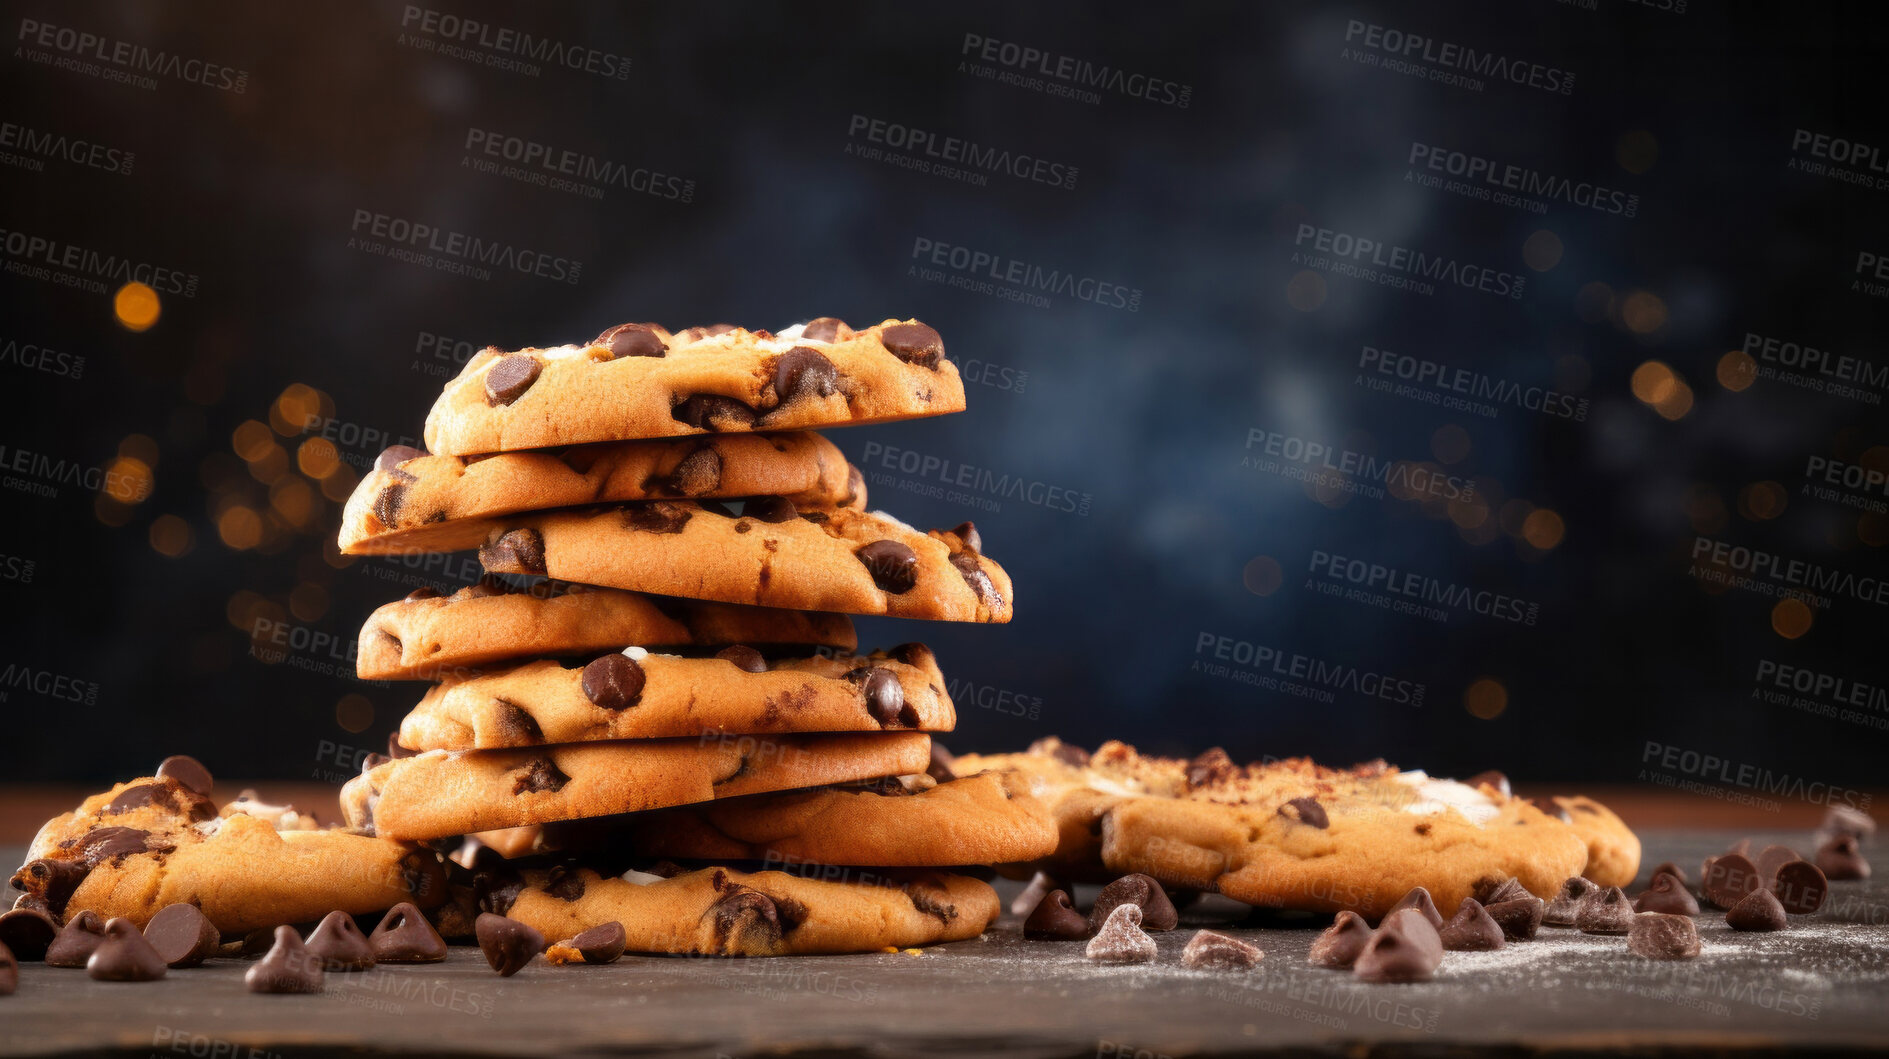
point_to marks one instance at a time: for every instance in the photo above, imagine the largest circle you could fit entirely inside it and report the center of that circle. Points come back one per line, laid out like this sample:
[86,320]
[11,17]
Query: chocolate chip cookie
[641,381]
[441,792]
[636,694]
[413,502]
[852,562]
[1613,850]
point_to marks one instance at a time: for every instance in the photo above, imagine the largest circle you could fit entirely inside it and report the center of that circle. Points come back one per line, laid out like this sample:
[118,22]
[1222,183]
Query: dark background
[1145,411]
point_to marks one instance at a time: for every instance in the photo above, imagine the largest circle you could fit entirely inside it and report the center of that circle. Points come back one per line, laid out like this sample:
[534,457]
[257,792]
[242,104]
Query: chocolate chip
[770,509]
[1157,911]
[508,944]
[404,936]
[603,943]
[512,724]
[564,883]
[1419,900]
[1667,896]
[893,566]
[1406,948]
[1566,903]
[1550,809]
[1119,938]
[393,456]
[967,567]
[884,698]
[182,935]
[1800,887]
[914,343]
[973,540]
[1472,929]
[708,411]
[1210,950]
[518,551]
[420,593]
[1071,754]
[1673,870]
[742,913]
[339,944]
[1841,857]
[631,340]
[540,774]
[1493,778]
[1770,859]
[509,377]
[1054,919]
[745,658]
[941,768]
[1759,910]
[387,504]
[1340,943]
[1663,936]
[371,761]
[698,473]
[658,516]
[1727,879]
[804,371]
[52,880]
[1845,820]
[823,329]
[76,940]
[187,771]
[1606,912]
[123,955]
[1209,767]
[288,967]
[613,682]
[1519,918]
[1306,811]
[1510,889]
[696,334]
[27,932]
[137,796]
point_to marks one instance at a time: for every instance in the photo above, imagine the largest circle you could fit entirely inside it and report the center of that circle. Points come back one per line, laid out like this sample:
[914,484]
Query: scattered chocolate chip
[914,343]
[518,551]
[1666,895]
[27,932]
[1758,910]
[973,540]
[1800,887]
[1663,936]
[1494,779]
[1033,893]
[743,912]
[770,509]
[708,411]
[182,935]
[1054,919]
[9,972]
[1340,943]
[1566,903]
[339,944]
[1210,950]
[1841,857]
[187,771]
[539,775]
[1845,820]
[941,770]
[1606,912]
[509,377]
[393,456]
[1519,918]
[1728,879]
[1770,859]
[631,340]
[823,329]
[288,967]
[123,955]
[614,682]
[1120,939]
[76,940]
[1308,811]
[893,566]
[1419,899]
[1142,891]
[512,724]
[1405,948]
[603,943]
[804,370]
[1509,889]
[404,936]
[1472,929]
[1673,870]
[745,658]
[508,944]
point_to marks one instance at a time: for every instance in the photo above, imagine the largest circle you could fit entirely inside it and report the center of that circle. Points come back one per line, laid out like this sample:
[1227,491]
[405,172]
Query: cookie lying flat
[1613,850]
[441,793]
[168,845]
[435,637]
[658,696]
[723,912]
[847,561]
[984,819]
[413,502]
[639,381]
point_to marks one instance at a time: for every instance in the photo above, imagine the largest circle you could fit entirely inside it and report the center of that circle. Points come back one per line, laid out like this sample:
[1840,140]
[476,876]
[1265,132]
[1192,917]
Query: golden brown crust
[1613,850]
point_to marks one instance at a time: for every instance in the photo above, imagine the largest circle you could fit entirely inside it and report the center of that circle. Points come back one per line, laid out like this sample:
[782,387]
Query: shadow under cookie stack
[650,716]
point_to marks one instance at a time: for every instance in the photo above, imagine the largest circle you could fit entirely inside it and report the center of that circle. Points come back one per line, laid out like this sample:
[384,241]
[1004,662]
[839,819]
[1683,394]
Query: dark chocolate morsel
[1308,811]
[770,509]
[603,943]
[182,935]
[1509,889]
[339,944]
[404,936]
[1673,870]
[1758,910]
[1606,912]
[1728,879]
[1566,903]
[517,551]
[1210,950]
[1341,942]
[1667,896]
[1405,948]
[708,411]
[123,955]
[187,771]
[940,768]
[1770,859]
[631,340]
[509,377]
[698,473]
[288,967]
[27,933]
[893,566]
[76,940]
[1054,919]
[914,343]
[1519,918]
[804,370]
[539,774]
[1800,887]
[1472,929]
[613,682]
[823,329]
[393,456]
[745,658]
[1157,910]
[508,944]
[1847,820]
[1841,857]
[1071,754]
[973,540]
[663,516]
[885,698]
[1663,936]
[1419,899]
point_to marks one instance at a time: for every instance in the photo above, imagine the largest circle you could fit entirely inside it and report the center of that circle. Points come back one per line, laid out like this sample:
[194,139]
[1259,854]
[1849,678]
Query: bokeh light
[1486,698]
[136,307]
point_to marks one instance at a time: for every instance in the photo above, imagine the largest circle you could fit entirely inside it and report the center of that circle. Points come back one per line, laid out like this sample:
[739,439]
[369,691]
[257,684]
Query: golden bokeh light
[139,447]
[354,713]
[1543,529]
[1486,698]
[1305,291]
[298,406]
[136,306]
[1652,382]
[127,480]
[171,536]
[1643,312]
[1468,514]
[1790,618]
[239,527]
[339,483]
[1676,403]
[1761,501]
[293,500]
[308,601]
[1737,370]
[251,440]
[317,457]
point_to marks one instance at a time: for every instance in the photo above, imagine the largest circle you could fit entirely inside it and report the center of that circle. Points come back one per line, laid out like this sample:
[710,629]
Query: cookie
[441,793]
[640,381]
[415,502]
[151,843]
[636,694]
[985,819]
[435,637]
[1613,850]
[852,562]
[724,912]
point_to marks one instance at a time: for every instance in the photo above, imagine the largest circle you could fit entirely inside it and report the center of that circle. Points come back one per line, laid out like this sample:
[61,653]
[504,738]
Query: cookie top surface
[642,381]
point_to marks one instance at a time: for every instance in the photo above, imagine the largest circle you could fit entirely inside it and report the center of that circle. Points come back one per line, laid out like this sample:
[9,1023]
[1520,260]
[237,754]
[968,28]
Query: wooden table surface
[1820,988]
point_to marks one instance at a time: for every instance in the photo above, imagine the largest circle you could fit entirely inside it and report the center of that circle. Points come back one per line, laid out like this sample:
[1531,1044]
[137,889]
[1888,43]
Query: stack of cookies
[658,665]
